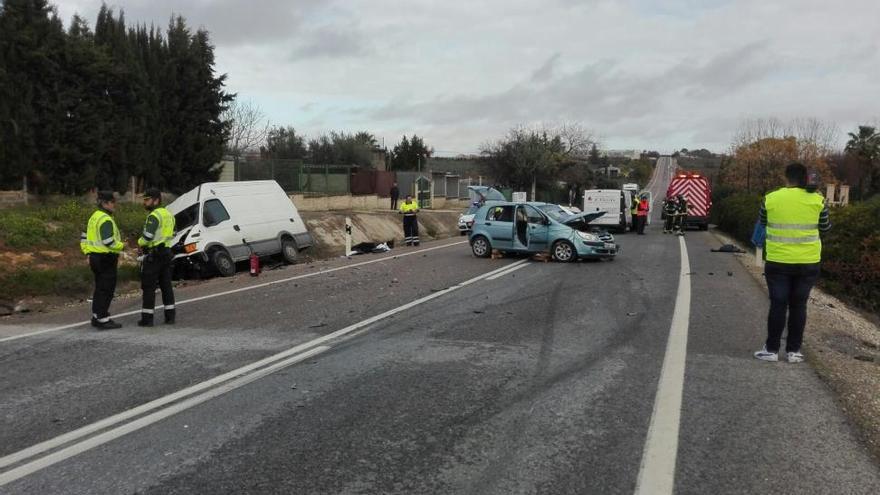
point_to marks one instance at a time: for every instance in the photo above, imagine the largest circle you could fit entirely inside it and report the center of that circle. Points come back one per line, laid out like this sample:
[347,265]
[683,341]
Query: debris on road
[728,248]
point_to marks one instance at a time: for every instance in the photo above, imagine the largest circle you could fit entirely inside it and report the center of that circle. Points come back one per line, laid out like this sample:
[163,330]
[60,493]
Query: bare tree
[248,127]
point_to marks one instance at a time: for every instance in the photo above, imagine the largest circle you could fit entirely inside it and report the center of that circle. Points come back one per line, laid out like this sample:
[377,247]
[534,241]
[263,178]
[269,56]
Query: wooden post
[347,235]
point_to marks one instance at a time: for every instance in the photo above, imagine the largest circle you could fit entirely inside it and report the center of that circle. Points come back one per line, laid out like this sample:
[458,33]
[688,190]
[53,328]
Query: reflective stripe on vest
[164,232]
[793,226]
[92,242]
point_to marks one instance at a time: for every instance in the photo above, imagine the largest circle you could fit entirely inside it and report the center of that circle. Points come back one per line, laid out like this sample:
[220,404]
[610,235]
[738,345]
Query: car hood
[585,217]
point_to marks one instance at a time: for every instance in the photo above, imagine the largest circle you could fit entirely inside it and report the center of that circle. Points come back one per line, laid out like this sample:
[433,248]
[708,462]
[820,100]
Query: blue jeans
[789,286]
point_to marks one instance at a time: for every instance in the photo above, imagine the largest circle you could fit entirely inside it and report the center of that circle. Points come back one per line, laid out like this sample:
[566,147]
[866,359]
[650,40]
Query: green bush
[67,281]
[59,225]
[736,214]
[850,250]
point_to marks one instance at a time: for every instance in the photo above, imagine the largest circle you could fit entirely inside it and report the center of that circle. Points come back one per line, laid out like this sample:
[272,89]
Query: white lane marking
[107,436]
[144,408]
[242,289]
[506,272]
[657,472]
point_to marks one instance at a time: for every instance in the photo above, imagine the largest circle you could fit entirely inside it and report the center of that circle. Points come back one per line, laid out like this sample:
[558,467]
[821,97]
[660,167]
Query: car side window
[500,214]
[214,213]
[534,215]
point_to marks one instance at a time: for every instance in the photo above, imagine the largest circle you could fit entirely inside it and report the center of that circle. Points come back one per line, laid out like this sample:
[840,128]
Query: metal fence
[296,176]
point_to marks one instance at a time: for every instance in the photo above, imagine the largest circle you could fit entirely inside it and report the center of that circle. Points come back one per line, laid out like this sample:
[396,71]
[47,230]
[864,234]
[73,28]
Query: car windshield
[186,218]
[554,212]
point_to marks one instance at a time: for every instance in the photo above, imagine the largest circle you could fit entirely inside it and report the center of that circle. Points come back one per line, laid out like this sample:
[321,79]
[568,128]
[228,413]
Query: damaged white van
[220,223]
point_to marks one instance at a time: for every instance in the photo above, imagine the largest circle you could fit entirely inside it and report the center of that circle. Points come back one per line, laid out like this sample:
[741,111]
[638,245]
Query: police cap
[106,196]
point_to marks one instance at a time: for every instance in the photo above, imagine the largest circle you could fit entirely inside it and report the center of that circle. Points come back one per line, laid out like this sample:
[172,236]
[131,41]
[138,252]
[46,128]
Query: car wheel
[223,263]
[289,251]
[563,251]
[481,247]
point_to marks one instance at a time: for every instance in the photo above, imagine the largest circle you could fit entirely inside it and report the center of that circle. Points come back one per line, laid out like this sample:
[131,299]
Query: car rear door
[499,225]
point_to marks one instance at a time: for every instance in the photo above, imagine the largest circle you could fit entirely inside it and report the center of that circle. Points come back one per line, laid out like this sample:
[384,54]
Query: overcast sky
[641,74]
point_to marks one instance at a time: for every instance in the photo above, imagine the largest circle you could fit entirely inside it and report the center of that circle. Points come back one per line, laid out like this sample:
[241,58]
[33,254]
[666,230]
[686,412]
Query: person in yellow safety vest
[634,211]
[102,244]
[409,209]
[155,242]
[793,218]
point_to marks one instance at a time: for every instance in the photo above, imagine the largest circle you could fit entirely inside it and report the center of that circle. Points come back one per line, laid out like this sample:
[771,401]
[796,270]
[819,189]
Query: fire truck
[695,189]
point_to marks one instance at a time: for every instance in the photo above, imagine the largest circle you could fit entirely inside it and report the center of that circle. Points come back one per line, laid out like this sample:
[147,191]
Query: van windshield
[186,218]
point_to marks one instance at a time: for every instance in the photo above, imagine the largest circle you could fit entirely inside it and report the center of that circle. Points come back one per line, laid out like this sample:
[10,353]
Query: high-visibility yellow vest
[793,226]
[93,243]
[409,208]
[164,232]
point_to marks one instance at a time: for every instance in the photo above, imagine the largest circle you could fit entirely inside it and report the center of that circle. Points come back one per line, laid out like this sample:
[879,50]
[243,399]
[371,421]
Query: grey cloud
[331,42]
[545,72]
[230,22]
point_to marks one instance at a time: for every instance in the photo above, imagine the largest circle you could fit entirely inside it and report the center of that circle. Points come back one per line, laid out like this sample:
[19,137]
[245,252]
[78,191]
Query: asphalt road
[433,372]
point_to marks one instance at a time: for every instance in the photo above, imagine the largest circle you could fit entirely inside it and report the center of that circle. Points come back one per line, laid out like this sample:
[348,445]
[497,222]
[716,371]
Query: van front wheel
[288,251]
[223,263]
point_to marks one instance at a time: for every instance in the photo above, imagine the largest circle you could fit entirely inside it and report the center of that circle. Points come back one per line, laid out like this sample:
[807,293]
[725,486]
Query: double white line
[96,434]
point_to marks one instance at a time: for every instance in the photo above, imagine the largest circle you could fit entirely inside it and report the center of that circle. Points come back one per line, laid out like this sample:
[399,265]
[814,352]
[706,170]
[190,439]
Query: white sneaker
[765,355]
[795,357]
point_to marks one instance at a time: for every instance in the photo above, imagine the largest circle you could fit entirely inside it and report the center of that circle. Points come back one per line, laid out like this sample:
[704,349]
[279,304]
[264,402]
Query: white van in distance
[219,223]
[613,202]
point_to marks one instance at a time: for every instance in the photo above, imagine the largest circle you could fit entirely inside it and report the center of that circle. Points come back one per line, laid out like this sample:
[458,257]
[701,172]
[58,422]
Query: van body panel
[239,217]
[612,201]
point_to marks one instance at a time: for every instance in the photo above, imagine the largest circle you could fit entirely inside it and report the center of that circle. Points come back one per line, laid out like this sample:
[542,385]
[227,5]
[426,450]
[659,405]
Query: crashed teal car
[539,227]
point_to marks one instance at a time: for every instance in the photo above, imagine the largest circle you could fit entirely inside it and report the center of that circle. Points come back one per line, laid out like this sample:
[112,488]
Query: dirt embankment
[328,228]
[843,346]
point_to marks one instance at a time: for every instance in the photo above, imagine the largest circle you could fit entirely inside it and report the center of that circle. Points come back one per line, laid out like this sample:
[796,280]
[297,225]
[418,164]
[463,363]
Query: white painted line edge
[107,436]
[507,272]
[241,289]
[657,471]
[63,439]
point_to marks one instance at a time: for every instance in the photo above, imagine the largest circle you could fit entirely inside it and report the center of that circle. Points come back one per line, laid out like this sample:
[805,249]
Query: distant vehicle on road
[528,228]
[478,196]
[695,189]
[221,223]
[614,202]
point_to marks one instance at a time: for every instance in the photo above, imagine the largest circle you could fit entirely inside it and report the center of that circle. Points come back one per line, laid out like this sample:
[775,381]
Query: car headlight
[587,237]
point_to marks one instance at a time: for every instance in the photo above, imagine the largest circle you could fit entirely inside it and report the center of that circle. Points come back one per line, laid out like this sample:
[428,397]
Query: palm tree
[865,147]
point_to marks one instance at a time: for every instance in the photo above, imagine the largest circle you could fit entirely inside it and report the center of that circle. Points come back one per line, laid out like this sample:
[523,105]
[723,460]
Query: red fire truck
[695,189]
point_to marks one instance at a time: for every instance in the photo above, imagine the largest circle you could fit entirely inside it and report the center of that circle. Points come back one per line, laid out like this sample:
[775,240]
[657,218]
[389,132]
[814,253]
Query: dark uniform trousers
[670,219]
[411,230]
[103,266]
[156,271]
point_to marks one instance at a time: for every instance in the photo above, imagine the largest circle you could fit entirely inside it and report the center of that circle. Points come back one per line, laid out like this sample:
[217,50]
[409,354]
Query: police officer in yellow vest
[155,242]
[793,218]
[409,208]
[102,244]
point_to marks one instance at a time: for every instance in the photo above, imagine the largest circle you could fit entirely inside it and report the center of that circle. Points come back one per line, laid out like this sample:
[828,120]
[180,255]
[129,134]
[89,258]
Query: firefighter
[793,217]
[642,213]
[681,215]
[155,242]
[102,244]
[670,208]
[409,209]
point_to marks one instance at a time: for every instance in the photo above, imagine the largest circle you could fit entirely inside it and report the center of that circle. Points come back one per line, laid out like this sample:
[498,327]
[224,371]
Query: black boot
[107,325]
[146,320]
[169,316]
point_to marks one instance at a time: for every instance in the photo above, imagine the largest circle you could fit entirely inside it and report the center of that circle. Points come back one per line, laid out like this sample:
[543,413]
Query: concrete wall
[13,198]
[367,202]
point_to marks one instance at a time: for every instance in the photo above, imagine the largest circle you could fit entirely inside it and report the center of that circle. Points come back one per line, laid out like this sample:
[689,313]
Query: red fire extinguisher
[254,260]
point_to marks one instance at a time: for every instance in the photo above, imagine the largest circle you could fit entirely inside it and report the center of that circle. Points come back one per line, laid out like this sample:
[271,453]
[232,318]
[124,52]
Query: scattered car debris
[728,248]
[318,325]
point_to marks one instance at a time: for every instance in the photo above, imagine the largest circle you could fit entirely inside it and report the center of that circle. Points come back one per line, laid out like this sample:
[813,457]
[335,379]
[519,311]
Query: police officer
[102,244]
[155,241]
[670,208]
[793,217]
[409,209]
[634,211]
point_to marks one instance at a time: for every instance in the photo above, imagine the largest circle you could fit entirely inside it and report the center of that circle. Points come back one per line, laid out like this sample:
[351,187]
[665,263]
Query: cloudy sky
[641,74]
